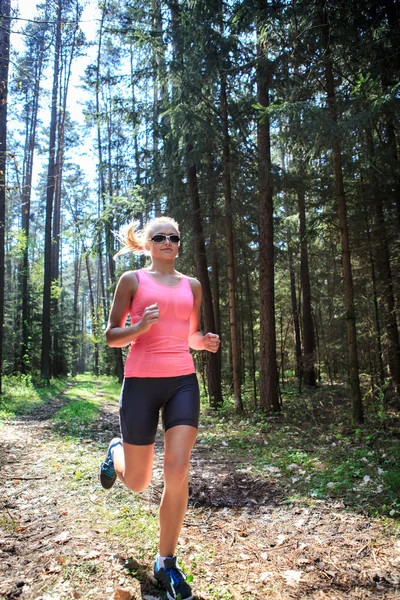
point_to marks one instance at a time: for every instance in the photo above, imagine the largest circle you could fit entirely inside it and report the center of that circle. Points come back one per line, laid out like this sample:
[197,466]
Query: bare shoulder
[195,285]
[128,282]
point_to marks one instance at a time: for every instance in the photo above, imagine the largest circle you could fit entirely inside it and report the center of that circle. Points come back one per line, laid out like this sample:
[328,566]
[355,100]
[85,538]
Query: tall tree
[383,269]
[29,82]
[308,326]
[5,9]
[269,396]
[357,412]
[68,53]
[230,247]
[213,363]
[46,357]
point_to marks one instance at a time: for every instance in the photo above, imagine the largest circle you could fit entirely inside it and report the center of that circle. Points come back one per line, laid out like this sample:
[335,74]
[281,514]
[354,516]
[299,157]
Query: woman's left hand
[211,342]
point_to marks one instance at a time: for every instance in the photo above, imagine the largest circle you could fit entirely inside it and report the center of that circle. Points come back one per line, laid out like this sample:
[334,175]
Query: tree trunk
[65,75]
[230,248]
[5,9]
[249,310]
[77,280]
[46,360]
[357,408]
[308,326]
[157,100]
[102,185]
[384,271]
[269,395]
[29,149]
[378,335]
[213,361]
[94,317]
[293,295]
[214,249]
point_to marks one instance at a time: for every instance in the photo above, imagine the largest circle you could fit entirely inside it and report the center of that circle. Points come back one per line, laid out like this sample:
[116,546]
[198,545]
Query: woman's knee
[176,470]
[136,482]
[138,466]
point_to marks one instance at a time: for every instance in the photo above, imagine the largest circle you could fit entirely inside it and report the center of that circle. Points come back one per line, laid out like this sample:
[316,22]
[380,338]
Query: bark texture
[213,360]
[269,396]
[357,407]
[5,9]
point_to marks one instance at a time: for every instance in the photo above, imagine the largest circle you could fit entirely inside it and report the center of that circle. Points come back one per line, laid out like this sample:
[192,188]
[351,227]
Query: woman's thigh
[178,445]
[139,407]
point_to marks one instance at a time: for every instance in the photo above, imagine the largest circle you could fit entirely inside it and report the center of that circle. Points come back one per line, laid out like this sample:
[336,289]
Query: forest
[268,129]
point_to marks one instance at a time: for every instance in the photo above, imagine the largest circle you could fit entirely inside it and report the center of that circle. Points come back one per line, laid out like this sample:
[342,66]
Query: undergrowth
[22,394]
[311,450]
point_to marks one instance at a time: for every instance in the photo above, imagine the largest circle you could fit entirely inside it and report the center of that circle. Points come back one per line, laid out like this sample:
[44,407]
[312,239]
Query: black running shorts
[143,397]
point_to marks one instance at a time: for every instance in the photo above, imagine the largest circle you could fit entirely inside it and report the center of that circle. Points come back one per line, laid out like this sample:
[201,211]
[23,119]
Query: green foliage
[312,452]
[23,393]
[76,414]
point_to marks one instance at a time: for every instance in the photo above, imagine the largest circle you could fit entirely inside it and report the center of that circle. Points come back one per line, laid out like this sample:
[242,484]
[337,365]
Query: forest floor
[247,535]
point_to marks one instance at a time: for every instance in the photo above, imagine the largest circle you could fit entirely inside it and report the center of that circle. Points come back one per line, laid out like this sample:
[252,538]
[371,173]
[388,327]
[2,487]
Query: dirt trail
[254,546]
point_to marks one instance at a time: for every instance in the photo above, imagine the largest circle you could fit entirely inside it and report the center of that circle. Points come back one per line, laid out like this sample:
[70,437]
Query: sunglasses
[159,238]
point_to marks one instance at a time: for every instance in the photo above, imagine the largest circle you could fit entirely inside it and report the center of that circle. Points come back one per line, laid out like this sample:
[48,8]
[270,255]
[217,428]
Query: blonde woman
[164,308]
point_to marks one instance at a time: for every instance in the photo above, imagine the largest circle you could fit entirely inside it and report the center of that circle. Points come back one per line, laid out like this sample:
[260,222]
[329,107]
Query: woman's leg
[134,465]
[178,443]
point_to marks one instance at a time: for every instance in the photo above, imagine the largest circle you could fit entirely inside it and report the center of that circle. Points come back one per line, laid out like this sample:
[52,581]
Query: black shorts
[143,397]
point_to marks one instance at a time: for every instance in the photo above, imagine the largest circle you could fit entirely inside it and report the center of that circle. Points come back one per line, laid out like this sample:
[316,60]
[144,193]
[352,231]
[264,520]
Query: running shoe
[107,471]
[173,580]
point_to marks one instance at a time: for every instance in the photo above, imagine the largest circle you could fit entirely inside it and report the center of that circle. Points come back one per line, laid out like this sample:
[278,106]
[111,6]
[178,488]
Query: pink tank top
[163,351]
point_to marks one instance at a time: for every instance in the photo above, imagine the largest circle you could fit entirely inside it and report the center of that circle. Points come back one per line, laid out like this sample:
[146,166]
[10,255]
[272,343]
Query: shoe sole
[107,485]
[161,585]
[114,442]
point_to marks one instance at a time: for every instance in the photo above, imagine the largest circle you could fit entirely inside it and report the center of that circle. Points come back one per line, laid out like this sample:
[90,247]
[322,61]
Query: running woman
[164,309]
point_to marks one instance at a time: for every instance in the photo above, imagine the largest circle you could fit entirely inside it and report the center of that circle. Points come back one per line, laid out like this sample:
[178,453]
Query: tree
[269,396]
[357,412]
[213,362]
[46,359]
[5,9]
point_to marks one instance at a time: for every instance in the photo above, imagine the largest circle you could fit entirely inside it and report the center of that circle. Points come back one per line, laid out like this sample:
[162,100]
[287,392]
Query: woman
[164,308]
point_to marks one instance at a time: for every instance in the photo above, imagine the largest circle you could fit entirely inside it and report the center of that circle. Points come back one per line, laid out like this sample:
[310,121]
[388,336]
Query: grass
[312,451]
[84,402]
[22,395]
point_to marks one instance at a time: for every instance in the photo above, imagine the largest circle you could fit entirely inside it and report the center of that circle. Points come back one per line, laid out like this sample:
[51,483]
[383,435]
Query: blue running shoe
[107,471]
[173,580]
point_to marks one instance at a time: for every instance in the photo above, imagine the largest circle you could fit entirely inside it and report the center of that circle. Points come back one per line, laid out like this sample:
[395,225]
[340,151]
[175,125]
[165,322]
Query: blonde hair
[135,239]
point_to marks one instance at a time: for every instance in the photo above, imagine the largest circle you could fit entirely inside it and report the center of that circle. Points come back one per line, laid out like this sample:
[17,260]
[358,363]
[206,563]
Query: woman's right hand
[150,316]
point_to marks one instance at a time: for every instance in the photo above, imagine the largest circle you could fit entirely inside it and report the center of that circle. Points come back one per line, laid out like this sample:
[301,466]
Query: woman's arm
[117,334]
[198,341]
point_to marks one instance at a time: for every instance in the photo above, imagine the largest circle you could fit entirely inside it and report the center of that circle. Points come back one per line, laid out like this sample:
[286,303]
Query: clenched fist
[211,342]
[151,314]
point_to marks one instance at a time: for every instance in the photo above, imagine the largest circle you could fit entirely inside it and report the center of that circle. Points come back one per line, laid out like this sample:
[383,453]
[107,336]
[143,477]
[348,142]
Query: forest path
[63,537]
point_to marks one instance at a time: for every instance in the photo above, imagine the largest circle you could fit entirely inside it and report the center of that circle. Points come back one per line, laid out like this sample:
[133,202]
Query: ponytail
[132,238]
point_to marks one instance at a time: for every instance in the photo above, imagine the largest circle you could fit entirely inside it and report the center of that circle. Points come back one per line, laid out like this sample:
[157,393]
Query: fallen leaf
[123,594]
[281,539]
[62,538]
[292,577]
[92,554]
[53,568]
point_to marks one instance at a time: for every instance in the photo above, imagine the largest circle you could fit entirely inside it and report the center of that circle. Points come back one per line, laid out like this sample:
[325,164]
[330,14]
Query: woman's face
[166,248]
